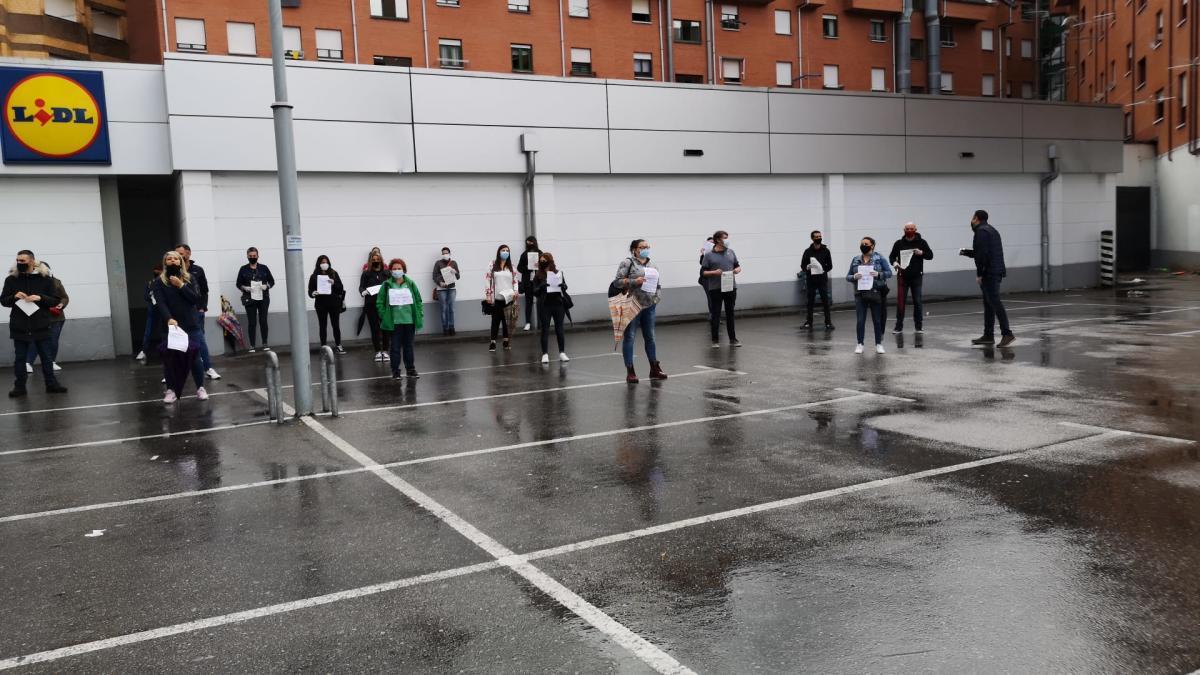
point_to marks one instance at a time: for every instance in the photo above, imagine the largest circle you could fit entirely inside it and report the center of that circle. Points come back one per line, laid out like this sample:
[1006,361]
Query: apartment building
[86,30]
[986,48]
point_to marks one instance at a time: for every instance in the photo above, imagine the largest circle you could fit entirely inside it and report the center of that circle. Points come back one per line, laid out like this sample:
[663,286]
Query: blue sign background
[14,152]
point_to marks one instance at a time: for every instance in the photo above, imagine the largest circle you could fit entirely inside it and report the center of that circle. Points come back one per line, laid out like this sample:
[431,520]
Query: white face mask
[324,267]
[446,257]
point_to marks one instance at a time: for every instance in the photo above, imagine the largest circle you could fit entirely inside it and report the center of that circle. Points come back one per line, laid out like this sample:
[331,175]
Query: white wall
[1178,205]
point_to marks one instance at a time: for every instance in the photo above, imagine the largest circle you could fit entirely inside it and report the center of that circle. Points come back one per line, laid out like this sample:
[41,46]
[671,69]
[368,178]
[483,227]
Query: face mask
[376,264]
[725,243]
[22,267]
[530,246]
[252,261]
[324,267]
[446,257]
[173,270]
[644,253]
[543,263]
[865,248]
[397,274]
[504,255]
[817,241]
[974,226]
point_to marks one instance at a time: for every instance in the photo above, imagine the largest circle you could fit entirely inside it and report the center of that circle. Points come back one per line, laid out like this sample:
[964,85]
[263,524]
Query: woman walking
[402,313]
[177,303]
[637,275]
[549,287]
[255,281]
[325,285]
[868,296]
[57,319]
[527,267]
[500,293]
[370,284]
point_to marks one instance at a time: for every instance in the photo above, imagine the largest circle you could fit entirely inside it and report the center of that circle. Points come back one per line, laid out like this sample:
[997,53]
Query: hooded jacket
[916,266]
[29,327]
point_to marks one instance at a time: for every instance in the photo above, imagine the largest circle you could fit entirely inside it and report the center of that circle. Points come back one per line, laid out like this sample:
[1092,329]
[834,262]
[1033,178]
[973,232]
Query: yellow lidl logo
[53,116]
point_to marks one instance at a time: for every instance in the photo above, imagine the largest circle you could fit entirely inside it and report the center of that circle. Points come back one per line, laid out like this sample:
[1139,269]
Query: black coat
[823,256]
[332,302]
[29,327]
[200,279]
[988,252]
[181,304]
[260,273]
[916,265]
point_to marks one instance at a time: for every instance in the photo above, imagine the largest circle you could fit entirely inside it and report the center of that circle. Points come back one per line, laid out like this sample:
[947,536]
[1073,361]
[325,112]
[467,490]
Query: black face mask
[975,226]
[252,261]
[173,270]
[817,241]
[530,247]
[23,268]
[865,248]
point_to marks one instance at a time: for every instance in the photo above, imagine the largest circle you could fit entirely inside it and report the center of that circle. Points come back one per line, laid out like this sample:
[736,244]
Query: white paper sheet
[399,297]
[177,339]
[553,282]
[727,281]
[531,259]
[324,284]
[906,256]
[650,285]
[814,267]
[448,275]
[866,282]
[256,290]
[30,308]
[374,290]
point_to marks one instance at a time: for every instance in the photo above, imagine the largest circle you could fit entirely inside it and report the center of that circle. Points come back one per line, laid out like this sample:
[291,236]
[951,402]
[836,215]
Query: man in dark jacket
[201,281]
[910,277]
[988,253]
[817,256]
[29,292]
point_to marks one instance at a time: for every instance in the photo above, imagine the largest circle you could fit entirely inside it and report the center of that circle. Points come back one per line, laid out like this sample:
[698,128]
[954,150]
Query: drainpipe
[933,50]
[530,146]
[354,28]
[166,29]
[669,26]
[662,57]
[562,39]
[904,45]
[1047,179]
[709,69]
[425,33]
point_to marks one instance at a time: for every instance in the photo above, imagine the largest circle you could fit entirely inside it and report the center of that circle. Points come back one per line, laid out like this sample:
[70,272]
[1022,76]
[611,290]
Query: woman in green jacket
[402,312]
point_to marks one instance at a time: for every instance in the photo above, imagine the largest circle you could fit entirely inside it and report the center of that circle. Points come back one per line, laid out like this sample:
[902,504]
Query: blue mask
[397,274]
[645,253]
[504,255]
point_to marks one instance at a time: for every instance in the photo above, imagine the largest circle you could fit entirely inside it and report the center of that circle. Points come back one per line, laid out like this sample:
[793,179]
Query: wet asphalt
[783,507]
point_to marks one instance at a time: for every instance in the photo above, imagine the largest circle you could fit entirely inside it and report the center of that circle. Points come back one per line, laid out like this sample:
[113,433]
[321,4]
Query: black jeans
[906,286]
[499,320]
[558,313]
[402,346]
[715,300]
[371,310]
[256,317]
[993,308]
[819,284]
[333,316]
[531,309]
[42,348]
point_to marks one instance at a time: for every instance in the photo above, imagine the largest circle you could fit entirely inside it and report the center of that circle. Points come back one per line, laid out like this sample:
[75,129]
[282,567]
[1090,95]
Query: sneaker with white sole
[212,374]
[562,356]
[141,356]
[858,349]
[387,356]
[879,349]
[170,397]
[266,348]
[29,367]
[716,345]
[56,366]
[527,326]
[201,394]
[545,359]
[251,350]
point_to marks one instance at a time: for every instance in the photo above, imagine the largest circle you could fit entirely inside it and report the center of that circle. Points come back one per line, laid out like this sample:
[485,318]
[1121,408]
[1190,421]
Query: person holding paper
[176,302]
[527,266]
[325,286]
[255,281]
[29,293]
[988,252]
[869,273]
[58,319]
[718,268]
[402,313]
[200,279]
[909,254]
[370,283]
[445,275]
[817,262]
[549,285]
[638,275]
[500,295]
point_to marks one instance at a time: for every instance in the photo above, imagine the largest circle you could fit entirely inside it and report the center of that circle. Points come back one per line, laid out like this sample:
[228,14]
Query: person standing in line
[176,299]
[57,320]
[500,293]
[631,277]
[201,280]
[151,313]
[370,284]
[330,296]
[909,280]
[549,285]
[817,257]
[870,299]
[719,268]
[29,292]
[401,312]
[255,279]
[445,290]
[371,256]
[527,266]
[988,252]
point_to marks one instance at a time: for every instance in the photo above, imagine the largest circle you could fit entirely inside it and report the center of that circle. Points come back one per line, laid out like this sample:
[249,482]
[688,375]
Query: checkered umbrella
[623,308]
[228,322]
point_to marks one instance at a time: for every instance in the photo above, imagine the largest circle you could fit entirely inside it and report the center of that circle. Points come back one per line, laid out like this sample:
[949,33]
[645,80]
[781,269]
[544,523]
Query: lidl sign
[53,116]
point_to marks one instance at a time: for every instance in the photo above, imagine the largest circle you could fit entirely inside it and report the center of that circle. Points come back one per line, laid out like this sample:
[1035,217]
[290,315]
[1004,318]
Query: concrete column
[197,228]
[834,227]
[114,259]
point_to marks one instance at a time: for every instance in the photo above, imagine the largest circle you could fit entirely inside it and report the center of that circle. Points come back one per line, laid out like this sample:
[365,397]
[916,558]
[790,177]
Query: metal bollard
[329,394]
[274,390]
[1108,255]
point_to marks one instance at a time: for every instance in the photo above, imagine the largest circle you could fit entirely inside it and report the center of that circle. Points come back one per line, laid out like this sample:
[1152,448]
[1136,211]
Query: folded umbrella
[623,308]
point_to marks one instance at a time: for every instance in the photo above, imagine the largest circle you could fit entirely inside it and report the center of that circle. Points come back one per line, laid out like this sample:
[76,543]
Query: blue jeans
[993,308]
[196,337]
[446,300]
[402,346]
[23,351]
[644,321]
[55,333]
[151,318]
[861,307]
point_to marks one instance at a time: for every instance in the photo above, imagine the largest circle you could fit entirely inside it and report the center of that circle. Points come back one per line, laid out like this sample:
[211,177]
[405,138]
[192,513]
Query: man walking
[29,291]
[912,267]
[817,262]
[201,282]
[988,252]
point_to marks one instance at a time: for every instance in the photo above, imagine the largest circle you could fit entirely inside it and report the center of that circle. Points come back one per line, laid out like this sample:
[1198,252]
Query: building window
[448,3]
[1027,10]
[830,78]
[522,58]
[1158,29]
[879,79]
[581,62]
[1182,98]
[1141,72]
[450,54]
[689,79]
[1160,106]
[578,9]
[329,45]
[829,26]
[292,48]
[1183,11]
[389,9]
[917,49]
[643,66]
[947,35]
[189,35]
[687,31]
[241,38]
[878,30]
[783,22]
[1026,90]
[948,82]
[518,6]
[783,74]
[641,11]
[1027,49]
[1008,89]
[987,40]
[1082,71]
[1142,5]
[1112,72]
[729,18]
[106,24]
[1128,125]
[1128,59]
[988,86]
[394,61]
[63,9]
[731,71]
[1008,46]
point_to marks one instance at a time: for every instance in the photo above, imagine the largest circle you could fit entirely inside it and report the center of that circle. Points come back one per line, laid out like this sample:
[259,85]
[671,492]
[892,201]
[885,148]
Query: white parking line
[1112,317]
[1015,309]
[1121,432]
[114,441]
[1186,332]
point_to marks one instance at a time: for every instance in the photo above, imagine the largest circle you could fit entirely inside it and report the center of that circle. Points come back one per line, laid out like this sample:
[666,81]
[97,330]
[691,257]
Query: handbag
[487,307]
[615,290]
[872,297]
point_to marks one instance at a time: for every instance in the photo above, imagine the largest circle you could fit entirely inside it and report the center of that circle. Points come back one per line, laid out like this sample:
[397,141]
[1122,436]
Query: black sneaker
[17,392]
[984,340]
[828,326]
[807,326]
[1007,340]
[492,346]
[898,329]
[412,373]
[396,375]
[55,388]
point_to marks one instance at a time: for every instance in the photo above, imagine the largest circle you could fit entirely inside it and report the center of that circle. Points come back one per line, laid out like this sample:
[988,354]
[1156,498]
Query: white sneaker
[212,374]
[527,326]
[879,349]
[562,356]
[141,356]
[545,359]
[378,356]
[387,356]
[858,349]
[266,348]
[170,397]
[56,366]
[201,394]
[28,367]
[251,350]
